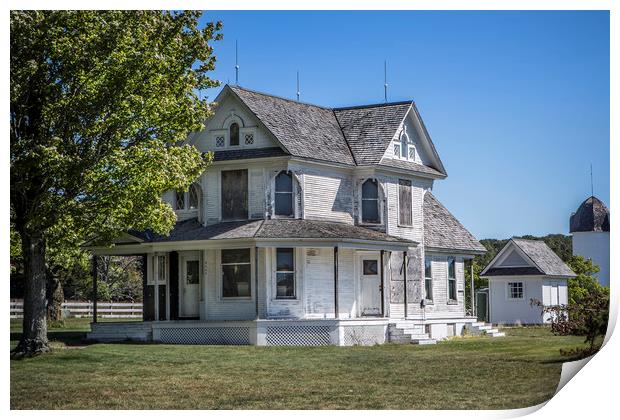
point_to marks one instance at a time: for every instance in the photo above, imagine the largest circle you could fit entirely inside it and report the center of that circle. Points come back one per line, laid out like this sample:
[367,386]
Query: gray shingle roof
[512,271]
[411,166]
[192,230]
[545,259]
[305,130]
[369,129]
[591,216]
[221,155]
[443,231]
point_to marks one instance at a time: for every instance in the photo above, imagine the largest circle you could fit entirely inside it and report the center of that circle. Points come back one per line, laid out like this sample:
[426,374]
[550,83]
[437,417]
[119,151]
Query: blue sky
[517,103]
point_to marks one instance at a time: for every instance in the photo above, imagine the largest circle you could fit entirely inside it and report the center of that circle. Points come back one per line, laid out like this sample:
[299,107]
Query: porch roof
[280,232]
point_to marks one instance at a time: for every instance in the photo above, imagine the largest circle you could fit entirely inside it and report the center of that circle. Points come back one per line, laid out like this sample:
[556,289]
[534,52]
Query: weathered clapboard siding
[319,282]
[328,196]
[230,111]
[346,283]
[256,193]
[218,308]
[418,186]
[211,194]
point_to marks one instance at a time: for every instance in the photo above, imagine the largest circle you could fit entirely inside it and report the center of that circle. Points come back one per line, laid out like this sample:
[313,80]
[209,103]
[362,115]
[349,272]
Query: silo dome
[591,216]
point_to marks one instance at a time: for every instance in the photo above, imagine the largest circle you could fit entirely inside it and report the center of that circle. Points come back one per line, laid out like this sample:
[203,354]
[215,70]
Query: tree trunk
[34,336]
[55,297]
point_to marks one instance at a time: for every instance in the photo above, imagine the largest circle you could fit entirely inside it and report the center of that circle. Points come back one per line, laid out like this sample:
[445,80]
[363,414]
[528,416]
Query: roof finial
[385,84]
[591,181]
[236,63]
[298,92]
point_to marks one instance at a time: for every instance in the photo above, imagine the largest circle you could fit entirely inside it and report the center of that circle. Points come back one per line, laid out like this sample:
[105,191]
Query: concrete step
[423,341]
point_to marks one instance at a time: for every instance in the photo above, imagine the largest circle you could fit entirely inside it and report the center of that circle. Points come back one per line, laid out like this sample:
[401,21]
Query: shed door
[370,285]
[189,285]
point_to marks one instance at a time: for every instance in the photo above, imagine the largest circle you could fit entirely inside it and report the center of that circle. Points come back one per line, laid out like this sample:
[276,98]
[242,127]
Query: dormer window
[370,202]
[234,134]
[404,148]
[284,194]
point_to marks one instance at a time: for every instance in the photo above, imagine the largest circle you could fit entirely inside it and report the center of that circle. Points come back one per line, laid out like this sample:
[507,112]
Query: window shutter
[235,195]
[404,202]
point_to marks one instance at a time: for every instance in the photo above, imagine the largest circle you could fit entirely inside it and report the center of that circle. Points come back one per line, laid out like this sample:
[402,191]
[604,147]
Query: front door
[370,284]
[189,285]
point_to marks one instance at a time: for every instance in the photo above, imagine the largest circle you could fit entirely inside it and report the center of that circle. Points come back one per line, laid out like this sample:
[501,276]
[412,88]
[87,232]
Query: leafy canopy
[100,103]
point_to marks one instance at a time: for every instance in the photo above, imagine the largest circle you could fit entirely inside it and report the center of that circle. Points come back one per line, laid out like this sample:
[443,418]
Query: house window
[370,202]
[194,196]
[404,144]
[249,138]
[236,273]
[451,278]
[428,278]
[234,134]
[285,273]
[284,194]
[405,217]
[219,141]
[234,194]
[411,152]
[404,147]
[161,269]
[515,290]
[180,200]
[397,149]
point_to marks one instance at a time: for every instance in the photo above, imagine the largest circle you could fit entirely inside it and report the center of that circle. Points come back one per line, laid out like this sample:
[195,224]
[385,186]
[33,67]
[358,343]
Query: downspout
[405,281]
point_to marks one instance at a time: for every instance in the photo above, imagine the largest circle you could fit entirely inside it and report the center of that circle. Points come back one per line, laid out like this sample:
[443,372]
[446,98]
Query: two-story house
[312,226]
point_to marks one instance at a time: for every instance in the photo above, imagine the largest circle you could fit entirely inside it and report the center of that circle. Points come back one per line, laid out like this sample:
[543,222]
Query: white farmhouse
[313,226]
[522,272]
[589,226]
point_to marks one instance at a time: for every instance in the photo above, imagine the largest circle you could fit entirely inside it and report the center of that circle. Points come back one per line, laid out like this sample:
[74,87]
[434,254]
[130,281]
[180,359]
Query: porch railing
[85,309]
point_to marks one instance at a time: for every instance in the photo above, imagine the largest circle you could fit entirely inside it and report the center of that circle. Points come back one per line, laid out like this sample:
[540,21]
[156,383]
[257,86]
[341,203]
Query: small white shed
[522,271]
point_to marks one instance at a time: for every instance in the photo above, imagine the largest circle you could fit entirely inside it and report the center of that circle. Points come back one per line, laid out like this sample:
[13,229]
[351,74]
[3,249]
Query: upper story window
[284,194]
[234,134]
[188,200]
[405,217]
[370,202]
[234,194]
[404,147]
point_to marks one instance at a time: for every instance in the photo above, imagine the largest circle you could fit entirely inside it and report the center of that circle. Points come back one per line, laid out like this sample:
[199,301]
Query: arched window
[370,202]
[194,196]
[404,145]
[284,194]
[234,134]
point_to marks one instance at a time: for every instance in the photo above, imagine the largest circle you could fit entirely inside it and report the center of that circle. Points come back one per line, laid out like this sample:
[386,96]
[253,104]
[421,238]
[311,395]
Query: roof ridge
[375,105]
[270,95]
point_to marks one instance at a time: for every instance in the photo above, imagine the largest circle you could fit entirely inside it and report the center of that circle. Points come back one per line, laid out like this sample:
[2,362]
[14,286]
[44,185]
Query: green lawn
[520,370]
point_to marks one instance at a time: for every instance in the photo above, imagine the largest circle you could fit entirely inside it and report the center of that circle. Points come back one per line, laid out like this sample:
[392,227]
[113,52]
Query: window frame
[509,291]
[379,201]
[451,280]
[250,297]
[428,279]
[230,134]
[293,214]
[275,296]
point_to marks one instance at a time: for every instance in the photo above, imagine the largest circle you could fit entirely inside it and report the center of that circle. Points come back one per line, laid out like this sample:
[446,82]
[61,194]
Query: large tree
[100,101]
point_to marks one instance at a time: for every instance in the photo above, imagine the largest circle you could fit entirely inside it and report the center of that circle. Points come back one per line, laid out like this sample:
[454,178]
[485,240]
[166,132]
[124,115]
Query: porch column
[471,288]
[336,282]
[382,286]
[405,281]
[95,275]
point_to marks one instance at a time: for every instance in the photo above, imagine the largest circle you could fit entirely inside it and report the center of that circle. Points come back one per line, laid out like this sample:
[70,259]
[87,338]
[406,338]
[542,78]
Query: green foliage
[585,284]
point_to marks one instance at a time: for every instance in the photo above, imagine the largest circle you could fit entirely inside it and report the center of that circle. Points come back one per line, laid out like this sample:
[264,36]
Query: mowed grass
[519,370]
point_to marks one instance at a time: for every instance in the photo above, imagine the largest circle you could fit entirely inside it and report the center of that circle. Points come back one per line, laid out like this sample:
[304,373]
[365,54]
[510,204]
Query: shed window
[404,203]
[236,273]
[284,194]
[285,273]
[370,202]
[428,279]
[234,134]
[451,278]
[515,290]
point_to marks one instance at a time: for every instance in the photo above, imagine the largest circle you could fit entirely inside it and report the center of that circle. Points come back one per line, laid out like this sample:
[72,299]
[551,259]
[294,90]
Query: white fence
[85,309]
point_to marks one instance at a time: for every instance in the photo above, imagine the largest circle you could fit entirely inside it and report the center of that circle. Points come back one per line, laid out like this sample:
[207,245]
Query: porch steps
[478,328]
[107,332]
[404,333]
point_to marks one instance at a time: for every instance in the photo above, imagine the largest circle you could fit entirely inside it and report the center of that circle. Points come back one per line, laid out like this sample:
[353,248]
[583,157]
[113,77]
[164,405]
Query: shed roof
[443,231]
